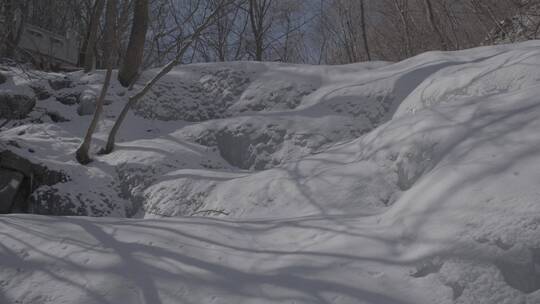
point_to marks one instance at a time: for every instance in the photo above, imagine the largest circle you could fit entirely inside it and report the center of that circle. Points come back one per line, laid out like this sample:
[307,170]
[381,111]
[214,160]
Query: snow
[410,182]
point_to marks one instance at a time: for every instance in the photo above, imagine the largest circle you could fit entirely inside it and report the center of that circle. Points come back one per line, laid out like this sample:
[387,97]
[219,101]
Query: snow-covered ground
[412,182]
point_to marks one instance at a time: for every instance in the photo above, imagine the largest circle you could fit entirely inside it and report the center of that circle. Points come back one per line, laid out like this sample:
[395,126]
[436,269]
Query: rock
[68,99]
[10,182]
[14,106]
[15,174]
[60,83]
[87,104]
[3,78]
[56,117]
[86,108]
[41,92]
[11,161]
[19,178]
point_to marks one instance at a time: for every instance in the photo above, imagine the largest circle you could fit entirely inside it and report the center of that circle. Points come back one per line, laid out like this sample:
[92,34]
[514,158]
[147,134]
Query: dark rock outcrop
[68,98]
[19,178]
[56,117]
[14,106]
[60,83]
[41,92]
[10,181]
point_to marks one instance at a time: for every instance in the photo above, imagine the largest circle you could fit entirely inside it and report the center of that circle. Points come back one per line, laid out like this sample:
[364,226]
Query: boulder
[19,178]
[14,106]
[3,78]
[11,161]
[68,99]
[87,104]
[41,92]
[60,83]
[56,117]
[15,172]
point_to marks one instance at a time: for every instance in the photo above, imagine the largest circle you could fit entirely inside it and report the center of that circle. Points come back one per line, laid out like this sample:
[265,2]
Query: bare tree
[224,39]
[364,31]
[135,51]
[402,7]
[14,14]
[259,18]
[90,55]
[345,27]
[181,50]
[82,154]
[431,20]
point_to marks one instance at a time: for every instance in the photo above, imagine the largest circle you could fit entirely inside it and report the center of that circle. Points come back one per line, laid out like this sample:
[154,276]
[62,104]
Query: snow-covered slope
[412,182]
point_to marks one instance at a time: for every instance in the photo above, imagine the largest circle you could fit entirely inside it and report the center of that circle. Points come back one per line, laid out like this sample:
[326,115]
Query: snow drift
[411,182]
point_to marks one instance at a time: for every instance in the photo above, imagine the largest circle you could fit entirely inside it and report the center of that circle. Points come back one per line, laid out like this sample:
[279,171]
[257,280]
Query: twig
[222,211]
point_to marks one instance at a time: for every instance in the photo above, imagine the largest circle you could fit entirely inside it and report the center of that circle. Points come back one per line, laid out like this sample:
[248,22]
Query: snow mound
[413,182]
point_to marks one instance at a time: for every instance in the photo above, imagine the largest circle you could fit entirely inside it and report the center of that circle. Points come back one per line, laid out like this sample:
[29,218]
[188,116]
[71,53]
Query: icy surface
[414,182]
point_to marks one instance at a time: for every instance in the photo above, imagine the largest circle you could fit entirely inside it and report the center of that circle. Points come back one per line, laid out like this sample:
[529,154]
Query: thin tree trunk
[258,12]
[431,20]
[401,8]
[133,100]
[166,69]
[90,56]
[10,36]
[82,154]
[135,51]
[8,9]
[364,31]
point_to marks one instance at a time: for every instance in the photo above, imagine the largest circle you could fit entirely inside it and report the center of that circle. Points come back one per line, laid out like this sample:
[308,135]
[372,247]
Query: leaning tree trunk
[135,51]
[109,147]
[82,154]
[89,54]
[148,86]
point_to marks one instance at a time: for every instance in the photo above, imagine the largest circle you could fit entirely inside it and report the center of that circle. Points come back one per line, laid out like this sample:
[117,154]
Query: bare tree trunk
[135,51]
[431,20]
[8,15]
[401,7]
[364,31]
[166,69]
[14,15]
[258,14]
[90,56]
[82,154]
[135,98]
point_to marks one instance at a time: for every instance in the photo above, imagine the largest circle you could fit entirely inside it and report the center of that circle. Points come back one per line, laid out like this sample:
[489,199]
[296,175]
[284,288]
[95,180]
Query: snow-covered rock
[87,103]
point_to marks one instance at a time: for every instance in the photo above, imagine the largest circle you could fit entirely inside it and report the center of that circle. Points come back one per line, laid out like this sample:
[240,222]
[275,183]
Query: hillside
[409,182]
